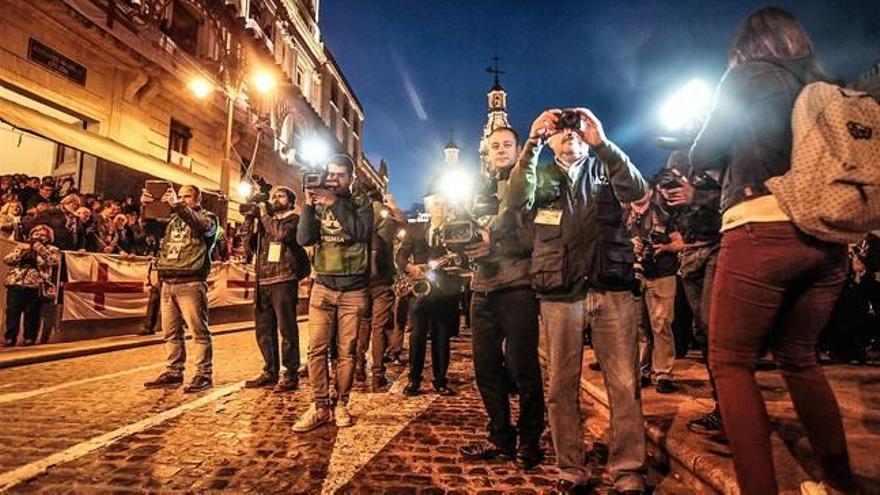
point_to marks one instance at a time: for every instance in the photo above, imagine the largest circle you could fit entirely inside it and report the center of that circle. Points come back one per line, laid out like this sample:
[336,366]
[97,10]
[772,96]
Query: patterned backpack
[832,190]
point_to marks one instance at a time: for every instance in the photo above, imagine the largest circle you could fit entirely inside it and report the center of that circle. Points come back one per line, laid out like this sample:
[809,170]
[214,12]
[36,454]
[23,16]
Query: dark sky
[418,66]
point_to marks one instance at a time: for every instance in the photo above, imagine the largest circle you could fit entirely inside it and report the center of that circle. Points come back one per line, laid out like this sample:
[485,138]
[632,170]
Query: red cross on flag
[103,286]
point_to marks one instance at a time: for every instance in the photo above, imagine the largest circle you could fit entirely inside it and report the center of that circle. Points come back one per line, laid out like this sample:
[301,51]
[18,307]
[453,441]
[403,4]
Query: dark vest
[590,249]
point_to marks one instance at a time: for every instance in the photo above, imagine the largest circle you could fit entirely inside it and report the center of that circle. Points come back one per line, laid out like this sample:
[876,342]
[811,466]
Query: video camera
[252,207]
[314,180]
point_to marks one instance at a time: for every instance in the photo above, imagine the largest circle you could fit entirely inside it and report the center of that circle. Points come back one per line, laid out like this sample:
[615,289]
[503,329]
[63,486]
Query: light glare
[264,81]
[245,189]
[201,87]
[315,150]
[686,106]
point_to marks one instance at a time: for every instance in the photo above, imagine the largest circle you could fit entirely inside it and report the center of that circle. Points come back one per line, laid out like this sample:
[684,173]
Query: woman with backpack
[773,282]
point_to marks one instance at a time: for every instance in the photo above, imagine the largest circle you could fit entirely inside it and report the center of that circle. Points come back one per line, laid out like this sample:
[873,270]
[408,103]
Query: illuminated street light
[245,189]
[456,185]
[687,106]
[264,81]
[201,87]
[314,150]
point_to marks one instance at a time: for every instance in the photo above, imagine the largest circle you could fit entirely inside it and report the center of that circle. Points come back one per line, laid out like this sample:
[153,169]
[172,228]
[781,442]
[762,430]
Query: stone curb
[102,347]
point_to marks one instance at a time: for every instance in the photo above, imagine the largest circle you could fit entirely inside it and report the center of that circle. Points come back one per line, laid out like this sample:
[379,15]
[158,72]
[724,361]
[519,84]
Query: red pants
[775,285]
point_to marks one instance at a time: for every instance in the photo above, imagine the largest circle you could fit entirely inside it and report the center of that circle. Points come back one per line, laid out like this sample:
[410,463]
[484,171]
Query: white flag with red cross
[104,286]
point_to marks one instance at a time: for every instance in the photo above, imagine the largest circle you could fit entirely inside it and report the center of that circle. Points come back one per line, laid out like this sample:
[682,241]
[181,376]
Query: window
[183,28]
[334,95]
[178,138]
[299,76]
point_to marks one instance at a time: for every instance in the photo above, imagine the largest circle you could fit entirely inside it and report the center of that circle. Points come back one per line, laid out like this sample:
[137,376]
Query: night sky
[418,66]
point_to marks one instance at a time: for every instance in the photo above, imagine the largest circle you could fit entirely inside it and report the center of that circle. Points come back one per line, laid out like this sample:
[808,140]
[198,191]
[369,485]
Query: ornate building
[497,117]
[113,92]
[450,152]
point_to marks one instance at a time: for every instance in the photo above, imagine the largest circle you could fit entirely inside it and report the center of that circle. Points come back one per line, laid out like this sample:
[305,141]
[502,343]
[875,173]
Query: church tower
[497,117]
[451,152]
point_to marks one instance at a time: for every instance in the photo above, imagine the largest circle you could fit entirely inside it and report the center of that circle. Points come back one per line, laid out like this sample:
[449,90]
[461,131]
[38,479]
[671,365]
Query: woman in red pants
[773,282]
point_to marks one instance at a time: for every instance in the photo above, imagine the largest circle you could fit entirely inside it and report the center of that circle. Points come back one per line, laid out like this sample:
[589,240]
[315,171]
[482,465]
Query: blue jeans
[615,339]
[186,303]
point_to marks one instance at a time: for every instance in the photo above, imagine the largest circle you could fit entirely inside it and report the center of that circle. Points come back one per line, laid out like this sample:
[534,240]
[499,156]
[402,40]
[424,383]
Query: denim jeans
[659,297]
[343,311]
[615,339]
[186,303]
[775,282]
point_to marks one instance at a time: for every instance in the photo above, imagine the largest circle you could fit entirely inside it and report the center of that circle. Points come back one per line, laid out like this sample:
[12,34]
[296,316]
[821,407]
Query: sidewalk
[20,356]
[706,461]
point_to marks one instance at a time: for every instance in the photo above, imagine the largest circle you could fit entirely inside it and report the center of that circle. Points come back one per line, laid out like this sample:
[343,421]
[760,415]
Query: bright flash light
[384,213]
[315,150]
[401,233]
[432,264]
[431,276]
[687,106]
[201,87]
[456,185]
[264,81]
[245,189]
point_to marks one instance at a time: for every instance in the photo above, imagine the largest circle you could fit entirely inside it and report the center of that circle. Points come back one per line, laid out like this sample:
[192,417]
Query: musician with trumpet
[436,292]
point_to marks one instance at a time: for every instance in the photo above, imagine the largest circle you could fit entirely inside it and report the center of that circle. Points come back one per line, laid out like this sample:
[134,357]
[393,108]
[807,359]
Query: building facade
[114,92]
[497,116]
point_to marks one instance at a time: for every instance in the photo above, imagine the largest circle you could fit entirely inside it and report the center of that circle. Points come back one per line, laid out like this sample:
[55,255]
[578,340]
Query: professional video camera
[252,207]
[315,179]
[465,229]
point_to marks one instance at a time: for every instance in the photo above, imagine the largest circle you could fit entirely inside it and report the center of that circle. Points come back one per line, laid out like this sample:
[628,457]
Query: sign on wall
[56,62]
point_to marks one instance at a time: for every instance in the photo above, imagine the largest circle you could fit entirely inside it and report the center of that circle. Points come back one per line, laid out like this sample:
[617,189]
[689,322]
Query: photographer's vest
[337,254]
[185,254]
[589,249]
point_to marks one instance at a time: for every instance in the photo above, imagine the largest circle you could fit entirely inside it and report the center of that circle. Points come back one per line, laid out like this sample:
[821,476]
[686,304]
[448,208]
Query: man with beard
[504,317]
[340,226]
[280,264]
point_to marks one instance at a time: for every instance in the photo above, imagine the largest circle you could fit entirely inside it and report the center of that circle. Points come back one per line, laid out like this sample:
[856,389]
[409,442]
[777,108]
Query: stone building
[497,116]
[114,92]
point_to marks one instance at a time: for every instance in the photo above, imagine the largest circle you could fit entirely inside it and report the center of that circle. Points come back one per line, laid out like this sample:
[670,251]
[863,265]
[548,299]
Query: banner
[110,286]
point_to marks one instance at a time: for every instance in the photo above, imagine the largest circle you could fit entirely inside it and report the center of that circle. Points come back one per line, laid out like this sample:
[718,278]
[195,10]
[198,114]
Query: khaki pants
[659,294]
[344,311]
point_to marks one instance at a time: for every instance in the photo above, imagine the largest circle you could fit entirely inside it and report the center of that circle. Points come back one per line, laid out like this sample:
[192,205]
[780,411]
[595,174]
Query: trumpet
[421,286]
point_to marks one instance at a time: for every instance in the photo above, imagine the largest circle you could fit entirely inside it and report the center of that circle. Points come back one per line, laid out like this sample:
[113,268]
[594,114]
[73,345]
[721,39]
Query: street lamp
[687,106]
[245,189]
[263,81]
[201,87]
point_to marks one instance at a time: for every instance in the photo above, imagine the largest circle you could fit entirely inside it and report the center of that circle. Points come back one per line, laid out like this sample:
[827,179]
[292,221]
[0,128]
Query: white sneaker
[343,417]
[313,418]
[813,488]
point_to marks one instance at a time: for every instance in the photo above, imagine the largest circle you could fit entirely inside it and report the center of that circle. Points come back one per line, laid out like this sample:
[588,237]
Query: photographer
[504,315]
[31,266]
[696,198]
[280,264]
[582,269]
[340,226]
[437,313]
[183,266]
[656,243]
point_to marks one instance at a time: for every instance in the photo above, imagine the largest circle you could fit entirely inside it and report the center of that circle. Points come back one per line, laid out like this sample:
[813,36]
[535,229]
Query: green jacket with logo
[341,234]
[185,255]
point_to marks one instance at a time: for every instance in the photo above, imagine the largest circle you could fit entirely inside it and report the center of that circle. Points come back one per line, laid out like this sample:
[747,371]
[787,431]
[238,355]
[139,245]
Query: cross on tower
[493,69]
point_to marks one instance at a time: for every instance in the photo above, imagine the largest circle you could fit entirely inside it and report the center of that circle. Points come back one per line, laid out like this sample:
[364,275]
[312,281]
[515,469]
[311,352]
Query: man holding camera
[504,315]
[435,314]
[582,269]
[340,226]
[183,266]
[657,242]
[280,264]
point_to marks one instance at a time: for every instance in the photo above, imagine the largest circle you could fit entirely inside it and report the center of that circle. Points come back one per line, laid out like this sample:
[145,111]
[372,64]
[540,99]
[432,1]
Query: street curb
[702,468]
[13,362]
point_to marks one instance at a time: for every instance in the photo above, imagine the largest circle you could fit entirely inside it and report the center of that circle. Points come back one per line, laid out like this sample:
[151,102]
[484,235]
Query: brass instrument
[421,286]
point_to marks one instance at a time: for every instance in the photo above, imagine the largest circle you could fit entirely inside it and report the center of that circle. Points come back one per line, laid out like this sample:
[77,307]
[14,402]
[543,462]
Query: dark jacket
[590,248]
[292,262]
[748,132]
[185,255]
[66,227]
[341,235]
[510,233]
[654,226]
[382,247]
[419,250]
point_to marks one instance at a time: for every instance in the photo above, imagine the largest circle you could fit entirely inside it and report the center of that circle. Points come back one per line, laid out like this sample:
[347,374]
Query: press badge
[548,216]
[274,252]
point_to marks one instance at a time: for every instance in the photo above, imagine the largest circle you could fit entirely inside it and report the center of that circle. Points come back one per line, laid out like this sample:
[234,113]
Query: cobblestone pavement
[87,425]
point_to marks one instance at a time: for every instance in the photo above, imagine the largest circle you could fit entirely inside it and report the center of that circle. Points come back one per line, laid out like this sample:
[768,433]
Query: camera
[252,207]
[649,257]
[314,180]
[666,179]
[458,234]
[568,119]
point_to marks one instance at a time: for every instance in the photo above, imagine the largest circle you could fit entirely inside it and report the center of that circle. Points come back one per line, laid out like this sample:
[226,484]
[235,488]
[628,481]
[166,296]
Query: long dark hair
[770,32]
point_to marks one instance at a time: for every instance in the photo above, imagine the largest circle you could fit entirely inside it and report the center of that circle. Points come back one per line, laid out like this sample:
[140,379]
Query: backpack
[832,190]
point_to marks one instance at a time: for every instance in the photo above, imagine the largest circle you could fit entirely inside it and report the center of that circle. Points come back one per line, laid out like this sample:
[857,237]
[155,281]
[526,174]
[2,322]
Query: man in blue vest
[582,270]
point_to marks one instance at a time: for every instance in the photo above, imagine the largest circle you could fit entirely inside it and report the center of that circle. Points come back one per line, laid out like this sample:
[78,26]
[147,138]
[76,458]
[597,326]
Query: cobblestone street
[87,425]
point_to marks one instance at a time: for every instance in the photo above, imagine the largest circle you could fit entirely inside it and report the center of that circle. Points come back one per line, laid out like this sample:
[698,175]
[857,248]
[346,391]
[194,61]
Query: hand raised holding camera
[146,197]
[681,195]
[544,126]
[170,197]
[591,130]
